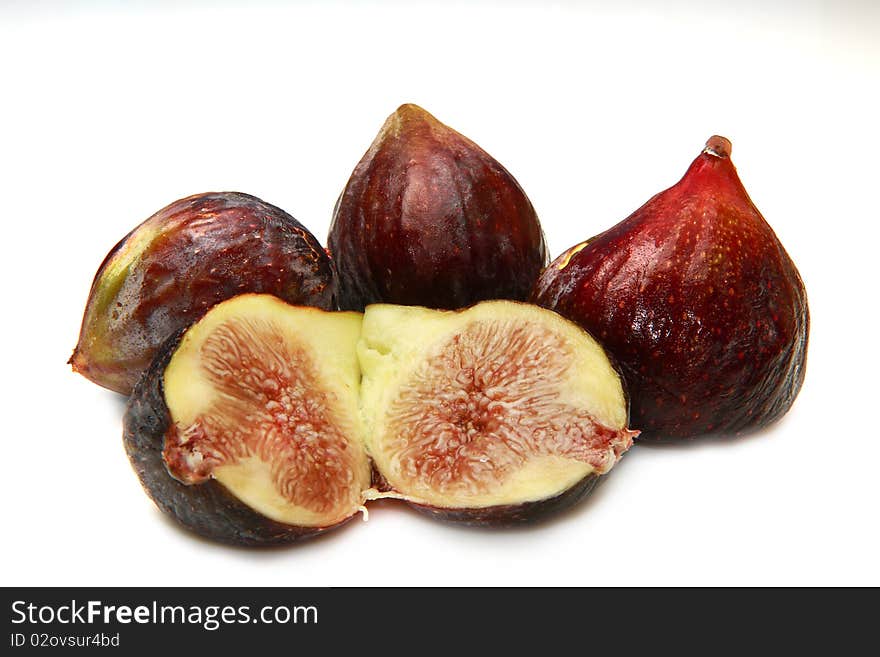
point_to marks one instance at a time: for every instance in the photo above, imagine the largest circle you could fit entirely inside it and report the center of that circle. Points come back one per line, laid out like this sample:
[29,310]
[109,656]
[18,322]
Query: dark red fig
[172,268]
[428,218]
[698,302]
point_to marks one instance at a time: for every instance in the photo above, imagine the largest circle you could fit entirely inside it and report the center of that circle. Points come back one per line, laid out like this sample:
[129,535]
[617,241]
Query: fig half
[428,218]
[245,428]
[184,259]
[492,415]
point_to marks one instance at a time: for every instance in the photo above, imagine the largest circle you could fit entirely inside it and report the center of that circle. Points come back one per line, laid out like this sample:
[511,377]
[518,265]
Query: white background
[109,111]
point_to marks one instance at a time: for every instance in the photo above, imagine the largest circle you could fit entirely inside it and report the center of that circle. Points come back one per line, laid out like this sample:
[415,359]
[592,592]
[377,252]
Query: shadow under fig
[714,440]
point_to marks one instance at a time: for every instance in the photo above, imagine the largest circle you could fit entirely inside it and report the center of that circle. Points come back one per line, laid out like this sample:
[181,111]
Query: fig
[698,302]
[430,219]
[245,427]
[492,415]
[177,264]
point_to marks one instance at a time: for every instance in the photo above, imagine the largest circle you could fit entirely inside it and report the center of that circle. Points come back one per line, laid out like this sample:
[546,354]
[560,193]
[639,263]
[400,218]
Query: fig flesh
[245,428]
[428,218]
[698,302]
[180,262]
[491,415]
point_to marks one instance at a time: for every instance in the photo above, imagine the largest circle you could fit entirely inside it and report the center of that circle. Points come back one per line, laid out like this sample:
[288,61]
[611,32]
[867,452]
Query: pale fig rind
[428,218]
[179,263]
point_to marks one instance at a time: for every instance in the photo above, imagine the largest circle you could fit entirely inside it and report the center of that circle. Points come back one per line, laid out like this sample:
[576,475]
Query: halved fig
[491,415]
[177,264]
[245,428]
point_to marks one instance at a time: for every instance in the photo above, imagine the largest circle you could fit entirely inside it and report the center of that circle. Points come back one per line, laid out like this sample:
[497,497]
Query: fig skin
[430,219]
[697,301]
[506,515]
[512,515]
[180,262]
[208,508]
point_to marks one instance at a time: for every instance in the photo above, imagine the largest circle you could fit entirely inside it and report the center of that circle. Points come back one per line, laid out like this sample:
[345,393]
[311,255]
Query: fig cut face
[428,218]
[262,401]
[495,408]
[266,423]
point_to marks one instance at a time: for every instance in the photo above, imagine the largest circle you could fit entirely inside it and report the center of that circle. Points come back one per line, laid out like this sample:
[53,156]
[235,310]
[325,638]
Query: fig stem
[375,494]
[718,146]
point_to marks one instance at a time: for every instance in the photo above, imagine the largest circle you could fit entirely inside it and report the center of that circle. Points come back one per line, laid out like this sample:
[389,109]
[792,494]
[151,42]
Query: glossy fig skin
[506,515]
[513,515]
[180,262]
[428,218]
[208,509]
[697,301]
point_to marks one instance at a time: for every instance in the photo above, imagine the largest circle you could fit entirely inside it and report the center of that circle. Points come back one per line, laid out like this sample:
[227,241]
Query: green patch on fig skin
[562,261]
[96,359]
[186,258]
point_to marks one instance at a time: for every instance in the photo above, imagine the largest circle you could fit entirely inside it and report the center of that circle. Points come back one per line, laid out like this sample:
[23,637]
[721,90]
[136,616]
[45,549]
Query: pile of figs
[432,354]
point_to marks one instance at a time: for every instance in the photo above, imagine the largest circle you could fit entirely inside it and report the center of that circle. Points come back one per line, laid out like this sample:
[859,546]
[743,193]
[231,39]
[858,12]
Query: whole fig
[697,300]
[189,256]
[428,218]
